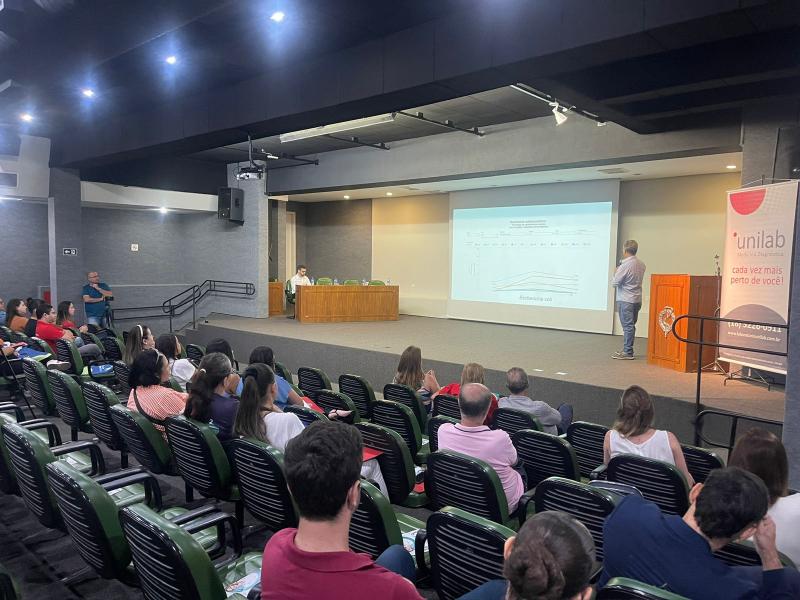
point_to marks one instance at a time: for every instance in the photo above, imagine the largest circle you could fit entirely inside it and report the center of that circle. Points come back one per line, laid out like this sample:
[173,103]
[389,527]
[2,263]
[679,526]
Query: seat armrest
[53,434]
[10,407]
[98,462]
[419,551]
[219,519]
[121,479]
[522,507]
[599,472]
[193,514]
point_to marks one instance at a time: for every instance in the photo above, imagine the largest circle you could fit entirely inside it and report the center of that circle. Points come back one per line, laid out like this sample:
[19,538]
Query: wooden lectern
[670,297]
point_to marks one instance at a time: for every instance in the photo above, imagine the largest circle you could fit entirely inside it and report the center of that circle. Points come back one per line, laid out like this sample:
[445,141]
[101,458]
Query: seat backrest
[545,455]
[122,372]
[258,469]
[91,518]
[433,430]
[311,380]
[455,479]
[38,344]
[585,503]
[38,386]
[744,554]
[395,460]
[98,400]
[283,372]
[512,420]
[405,395]
[446,405]
[68,398]
[399,418]
[329,400]
[113,347]
[587,441]
[373,527]
[199,456]
[171,564]
[6,334]
[466,551]
[621,588]
[8,479]
[376,282]
[305,414]
[195,352]
[360,392]
[29,455]
[68,352]
[143,440]
[701,462]
[658,481]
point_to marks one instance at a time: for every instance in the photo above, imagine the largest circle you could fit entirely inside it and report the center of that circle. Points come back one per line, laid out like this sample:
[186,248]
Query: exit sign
[70,251]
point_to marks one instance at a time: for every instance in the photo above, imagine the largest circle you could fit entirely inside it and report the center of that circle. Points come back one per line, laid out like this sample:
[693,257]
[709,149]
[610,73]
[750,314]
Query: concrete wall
[23,244]
[338,239]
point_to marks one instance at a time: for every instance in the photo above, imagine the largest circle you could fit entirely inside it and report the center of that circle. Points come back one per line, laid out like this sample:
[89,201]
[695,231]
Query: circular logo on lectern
[665,319]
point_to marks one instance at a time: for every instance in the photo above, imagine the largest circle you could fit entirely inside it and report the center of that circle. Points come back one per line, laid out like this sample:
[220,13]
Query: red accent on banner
[749,201]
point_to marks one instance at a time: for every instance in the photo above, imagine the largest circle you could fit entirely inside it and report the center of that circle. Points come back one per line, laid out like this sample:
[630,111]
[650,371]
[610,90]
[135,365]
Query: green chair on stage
[376,282]
[351,282]
[324,281]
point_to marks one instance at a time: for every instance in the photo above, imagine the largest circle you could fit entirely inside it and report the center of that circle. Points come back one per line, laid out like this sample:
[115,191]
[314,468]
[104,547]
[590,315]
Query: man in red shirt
[323,466]
[47,330]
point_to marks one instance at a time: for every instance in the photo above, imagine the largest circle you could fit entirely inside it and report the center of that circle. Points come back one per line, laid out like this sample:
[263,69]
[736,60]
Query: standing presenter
[95,300]
[628,284]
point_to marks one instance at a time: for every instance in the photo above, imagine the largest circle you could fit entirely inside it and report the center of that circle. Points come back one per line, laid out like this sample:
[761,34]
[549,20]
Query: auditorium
[465,299]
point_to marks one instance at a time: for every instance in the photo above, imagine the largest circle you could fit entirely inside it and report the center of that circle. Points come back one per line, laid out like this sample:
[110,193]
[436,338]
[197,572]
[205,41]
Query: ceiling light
[277,16]
[730,166]
[388,193]
[559,116]
[171,59]
[163,210]
[88,92]
[336,128]
[27,117]
[346,197]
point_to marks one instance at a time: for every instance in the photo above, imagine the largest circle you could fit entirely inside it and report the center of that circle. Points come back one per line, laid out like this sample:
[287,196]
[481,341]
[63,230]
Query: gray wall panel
[23,245]
[338,239]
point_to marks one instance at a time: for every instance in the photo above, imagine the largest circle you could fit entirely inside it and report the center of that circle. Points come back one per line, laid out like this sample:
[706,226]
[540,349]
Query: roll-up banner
[757,263]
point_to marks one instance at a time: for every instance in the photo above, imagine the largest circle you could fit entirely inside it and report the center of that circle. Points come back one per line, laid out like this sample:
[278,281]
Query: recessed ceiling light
[163,210]
[730,166]
[346,197]
[277,16]
[388,193]
[171,59]
[27,117]
[88,92]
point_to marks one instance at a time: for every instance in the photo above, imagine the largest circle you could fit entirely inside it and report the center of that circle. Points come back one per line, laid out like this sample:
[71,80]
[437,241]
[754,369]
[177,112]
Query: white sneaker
[58,365]
[622,356]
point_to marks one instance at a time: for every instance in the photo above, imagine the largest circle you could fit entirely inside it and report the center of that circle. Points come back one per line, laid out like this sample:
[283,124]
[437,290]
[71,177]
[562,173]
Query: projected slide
[543,255]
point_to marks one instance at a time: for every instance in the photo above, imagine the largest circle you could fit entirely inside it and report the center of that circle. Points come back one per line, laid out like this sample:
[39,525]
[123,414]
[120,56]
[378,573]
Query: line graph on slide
[538,281]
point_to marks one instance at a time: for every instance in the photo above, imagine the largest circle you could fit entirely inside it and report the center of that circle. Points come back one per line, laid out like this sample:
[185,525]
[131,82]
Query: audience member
[95,300]
[676,554]
[139,338]
[633,433]
[2,311]
[261,418]
[221,345]
[551,558]
[65,313]
[762,453]
[11,366]
[149,370]
[30,325]
[472,437]
[210,396]
[182,369]
[47,330]
[284,394]
[472,373]
[16,315]
[314,561]
[517,384]
[410,373]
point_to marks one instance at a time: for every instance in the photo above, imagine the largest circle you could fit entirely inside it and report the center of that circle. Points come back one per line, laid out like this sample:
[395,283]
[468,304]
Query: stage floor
[546,354]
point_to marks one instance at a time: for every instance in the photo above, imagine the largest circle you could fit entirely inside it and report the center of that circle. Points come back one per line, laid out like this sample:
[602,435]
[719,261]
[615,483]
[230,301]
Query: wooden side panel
[336,303]
[275,298]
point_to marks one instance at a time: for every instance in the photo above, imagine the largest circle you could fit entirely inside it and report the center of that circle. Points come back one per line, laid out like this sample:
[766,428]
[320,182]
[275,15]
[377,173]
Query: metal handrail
[701,342]
[735,417]
[190,297]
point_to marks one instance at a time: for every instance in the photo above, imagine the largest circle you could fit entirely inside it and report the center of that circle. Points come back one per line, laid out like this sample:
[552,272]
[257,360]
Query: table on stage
[336,303]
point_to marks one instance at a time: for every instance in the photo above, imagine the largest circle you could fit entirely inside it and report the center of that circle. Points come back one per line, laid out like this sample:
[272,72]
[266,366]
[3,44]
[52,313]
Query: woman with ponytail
[210,399]
[259,417]
[139,338]
[551,558]
[149,370]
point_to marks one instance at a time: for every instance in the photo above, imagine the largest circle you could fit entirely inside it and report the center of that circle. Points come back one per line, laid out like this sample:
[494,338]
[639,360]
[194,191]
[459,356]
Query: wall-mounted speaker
[230,204]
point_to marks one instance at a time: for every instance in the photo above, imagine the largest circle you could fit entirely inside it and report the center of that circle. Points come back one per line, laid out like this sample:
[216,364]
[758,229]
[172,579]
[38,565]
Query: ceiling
[654,169]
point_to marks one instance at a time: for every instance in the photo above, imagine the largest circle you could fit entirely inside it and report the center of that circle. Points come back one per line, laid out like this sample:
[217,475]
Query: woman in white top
[763,454]
[260,418]
[633,433]
[181,369]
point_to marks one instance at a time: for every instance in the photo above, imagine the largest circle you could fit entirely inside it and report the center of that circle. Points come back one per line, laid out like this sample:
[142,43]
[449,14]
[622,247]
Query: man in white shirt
[299,278]
[628,283]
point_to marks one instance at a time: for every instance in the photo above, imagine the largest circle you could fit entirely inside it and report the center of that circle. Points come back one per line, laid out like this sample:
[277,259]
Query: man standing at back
[628,283]
[95,300]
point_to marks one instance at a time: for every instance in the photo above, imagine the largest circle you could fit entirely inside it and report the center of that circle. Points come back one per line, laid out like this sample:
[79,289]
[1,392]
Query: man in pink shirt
[323,471]
[473,438]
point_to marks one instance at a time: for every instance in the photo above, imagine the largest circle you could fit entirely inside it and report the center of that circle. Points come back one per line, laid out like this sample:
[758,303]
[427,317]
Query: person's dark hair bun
[537,574]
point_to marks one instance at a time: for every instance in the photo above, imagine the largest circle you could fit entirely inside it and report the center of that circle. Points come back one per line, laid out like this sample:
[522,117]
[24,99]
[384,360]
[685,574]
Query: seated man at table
[314,560]
[299,278]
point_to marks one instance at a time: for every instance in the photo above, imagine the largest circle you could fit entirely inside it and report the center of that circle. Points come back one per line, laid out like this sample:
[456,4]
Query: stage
[566,366]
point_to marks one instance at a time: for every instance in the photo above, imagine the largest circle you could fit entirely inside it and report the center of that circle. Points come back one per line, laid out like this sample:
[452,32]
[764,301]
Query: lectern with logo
[670,297]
